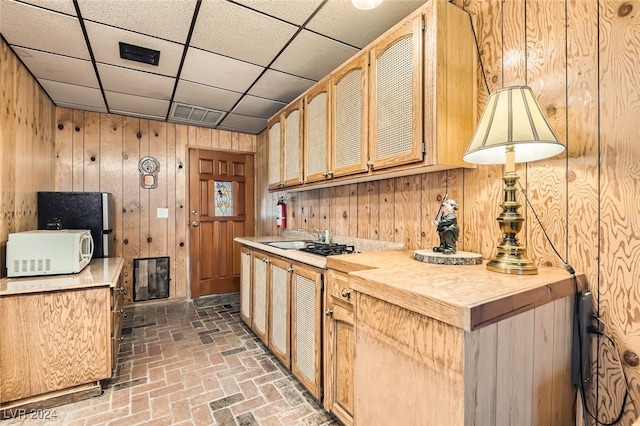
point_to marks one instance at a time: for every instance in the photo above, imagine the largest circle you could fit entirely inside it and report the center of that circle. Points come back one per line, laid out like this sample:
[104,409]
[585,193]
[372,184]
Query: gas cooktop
[327,249]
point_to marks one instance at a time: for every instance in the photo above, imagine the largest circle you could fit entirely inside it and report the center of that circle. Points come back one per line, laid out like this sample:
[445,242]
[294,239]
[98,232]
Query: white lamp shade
[512,117]
[366,4]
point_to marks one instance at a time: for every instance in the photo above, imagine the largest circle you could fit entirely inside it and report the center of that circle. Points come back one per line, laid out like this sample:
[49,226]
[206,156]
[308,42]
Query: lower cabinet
[285,312]
[279,289]
[117,314]
[339,347]
[246,289]
[306,326]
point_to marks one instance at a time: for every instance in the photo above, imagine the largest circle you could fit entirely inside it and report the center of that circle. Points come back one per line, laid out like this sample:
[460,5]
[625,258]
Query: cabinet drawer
[339,288]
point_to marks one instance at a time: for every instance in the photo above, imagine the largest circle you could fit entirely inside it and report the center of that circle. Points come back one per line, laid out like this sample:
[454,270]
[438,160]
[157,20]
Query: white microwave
[48,252]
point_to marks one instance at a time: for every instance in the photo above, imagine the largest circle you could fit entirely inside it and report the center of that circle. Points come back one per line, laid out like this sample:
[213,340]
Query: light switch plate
[163,213]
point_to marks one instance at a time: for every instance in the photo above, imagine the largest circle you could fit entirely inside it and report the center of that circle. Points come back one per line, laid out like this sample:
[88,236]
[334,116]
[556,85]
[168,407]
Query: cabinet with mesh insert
[403,105]
[285,147]
[317,132]
[349,94]
[279,288]
[306,341]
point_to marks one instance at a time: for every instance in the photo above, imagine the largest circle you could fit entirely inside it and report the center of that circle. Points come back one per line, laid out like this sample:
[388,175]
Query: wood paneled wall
[26,148]
[100,152]
[581,58]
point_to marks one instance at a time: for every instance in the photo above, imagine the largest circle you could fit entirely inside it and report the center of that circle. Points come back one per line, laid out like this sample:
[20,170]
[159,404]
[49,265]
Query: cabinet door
[395,108]
[275,153]
[279,310]
[260,297]
[306,308]
[117,314]
[342,341]
[245,285]
[349,117]
[317,127]
[292,144]
[339,349]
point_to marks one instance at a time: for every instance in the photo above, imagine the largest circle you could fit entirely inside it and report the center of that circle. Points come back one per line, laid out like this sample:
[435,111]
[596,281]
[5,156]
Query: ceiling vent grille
[195,115]
[139,54]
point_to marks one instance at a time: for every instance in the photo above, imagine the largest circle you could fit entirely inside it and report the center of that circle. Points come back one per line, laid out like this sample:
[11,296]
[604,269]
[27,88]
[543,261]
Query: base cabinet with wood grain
[59,337]
[455,345]
[285,311]
[339,347]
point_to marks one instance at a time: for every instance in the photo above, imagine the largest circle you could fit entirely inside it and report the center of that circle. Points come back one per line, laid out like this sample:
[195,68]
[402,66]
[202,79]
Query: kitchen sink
[289,245]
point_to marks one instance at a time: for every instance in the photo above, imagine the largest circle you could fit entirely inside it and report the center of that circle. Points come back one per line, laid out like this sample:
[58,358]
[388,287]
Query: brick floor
[180,365]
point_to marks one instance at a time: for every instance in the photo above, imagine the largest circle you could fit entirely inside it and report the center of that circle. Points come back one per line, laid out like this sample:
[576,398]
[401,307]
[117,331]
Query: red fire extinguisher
[281,214]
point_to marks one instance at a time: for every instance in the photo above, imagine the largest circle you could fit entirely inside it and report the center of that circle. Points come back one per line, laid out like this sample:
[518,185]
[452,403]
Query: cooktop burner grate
[329,249]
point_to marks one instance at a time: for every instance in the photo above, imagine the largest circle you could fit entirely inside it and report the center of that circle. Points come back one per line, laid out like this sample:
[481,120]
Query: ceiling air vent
[139,54]
[195,115]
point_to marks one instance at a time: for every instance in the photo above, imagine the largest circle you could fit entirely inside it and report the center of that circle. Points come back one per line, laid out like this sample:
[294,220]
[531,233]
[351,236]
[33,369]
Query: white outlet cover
[163,213]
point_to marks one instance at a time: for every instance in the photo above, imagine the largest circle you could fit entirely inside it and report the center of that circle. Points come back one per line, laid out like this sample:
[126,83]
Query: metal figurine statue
[447,224]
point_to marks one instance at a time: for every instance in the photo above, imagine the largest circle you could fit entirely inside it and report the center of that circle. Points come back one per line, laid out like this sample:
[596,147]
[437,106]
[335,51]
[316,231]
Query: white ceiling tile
[64,69]
[167,19]
[327,56]
[237,32]
[122,102]
[243,123]
[63,6]
[219,71]
[48,37]
[258,107]
[296,12]
[125,80]
[209,97]
[104,43]
[280,86]
[360,27]
[68,93]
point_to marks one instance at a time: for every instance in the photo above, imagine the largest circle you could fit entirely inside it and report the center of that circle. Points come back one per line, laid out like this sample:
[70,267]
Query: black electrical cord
[572,271]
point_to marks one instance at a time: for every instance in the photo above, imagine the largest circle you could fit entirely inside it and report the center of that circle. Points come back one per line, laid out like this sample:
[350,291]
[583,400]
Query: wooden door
[220,209]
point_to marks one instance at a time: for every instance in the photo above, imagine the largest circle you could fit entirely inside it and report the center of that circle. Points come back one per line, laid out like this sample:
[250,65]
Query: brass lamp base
[512,261]
[511,257]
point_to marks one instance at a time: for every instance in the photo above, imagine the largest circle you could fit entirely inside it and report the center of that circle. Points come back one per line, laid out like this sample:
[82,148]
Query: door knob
[195,223]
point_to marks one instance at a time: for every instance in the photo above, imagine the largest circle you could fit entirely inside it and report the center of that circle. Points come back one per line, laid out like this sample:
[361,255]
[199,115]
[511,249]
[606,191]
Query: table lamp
[512,129]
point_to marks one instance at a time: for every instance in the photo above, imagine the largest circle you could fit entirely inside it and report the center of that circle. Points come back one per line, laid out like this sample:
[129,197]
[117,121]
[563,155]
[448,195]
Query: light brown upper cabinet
[403,105]
[395,97]
[285,146]
[349,106]
[317,131]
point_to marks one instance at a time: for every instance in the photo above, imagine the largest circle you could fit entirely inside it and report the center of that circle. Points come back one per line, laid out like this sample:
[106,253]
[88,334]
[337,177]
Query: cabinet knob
[290,269]
[345,293]
[121,339]
[328,312]
[122,313]
[266,260]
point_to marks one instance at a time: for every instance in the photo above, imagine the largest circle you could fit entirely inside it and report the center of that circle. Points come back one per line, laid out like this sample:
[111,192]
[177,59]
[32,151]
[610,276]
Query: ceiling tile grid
[230,63]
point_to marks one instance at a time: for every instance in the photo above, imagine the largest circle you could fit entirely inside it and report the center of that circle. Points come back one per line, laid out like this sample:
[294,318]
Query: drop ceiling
[235,63]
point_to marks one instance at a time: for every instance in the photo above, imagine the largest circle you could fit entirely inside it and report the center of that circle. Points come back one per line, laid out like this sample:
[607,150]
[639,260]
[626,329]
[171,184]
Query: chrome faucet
[323,235]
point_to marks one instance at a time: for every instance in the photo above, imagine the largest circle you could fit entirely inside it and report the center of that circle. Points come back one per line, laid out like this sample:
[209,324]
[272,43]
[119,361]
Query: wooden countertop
[464,296]
[100,272]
